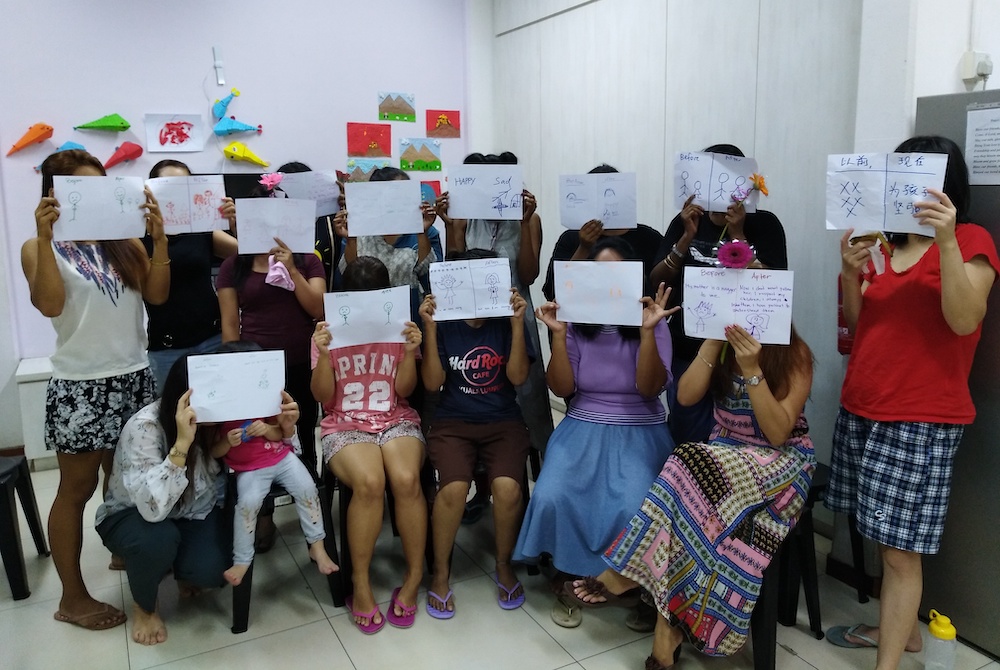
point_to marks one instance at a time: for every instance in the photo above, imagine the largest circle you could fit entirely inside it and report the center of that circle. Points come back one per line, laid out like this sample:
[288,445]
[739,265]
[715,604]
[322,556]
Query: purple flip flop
[510,603]
[436,613]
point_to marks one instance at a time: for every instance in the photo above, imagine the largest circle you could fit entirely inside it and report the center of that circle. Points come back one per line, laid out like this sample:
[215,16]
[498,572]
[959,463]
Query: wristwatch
[755,380]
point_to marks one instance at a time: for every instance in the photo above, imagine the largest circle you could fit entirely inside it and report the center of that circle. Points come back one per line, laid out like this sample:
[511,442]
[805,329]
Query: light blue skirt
[593,481]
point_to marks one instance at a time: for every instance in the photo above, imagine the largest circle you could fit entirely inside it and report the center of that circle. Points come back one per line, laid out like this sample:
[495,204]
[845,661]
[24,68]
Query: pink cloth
[277,275]
[253,454]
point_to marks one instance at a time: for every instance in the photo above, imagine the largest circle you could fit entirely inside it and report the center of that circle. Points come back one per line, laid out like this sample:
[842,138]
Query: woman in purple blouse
[603,456]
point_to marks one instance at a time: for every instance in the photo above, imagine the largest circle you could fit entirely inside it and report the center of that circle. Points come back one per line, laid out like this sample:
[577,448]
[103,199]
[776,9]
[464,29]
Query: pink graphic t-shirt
[255,452]
[364,395]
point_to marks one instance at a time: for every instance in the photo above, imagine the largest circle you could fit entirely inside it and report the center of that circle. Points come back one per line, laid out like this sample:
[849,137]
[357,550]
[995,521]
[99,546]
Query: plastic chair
[15,476]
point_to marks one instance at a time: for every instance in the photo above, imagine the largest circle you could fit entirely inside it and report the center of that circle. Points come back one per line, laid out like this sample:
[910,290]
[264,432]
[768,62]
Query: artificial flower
[271,179]
[735,254]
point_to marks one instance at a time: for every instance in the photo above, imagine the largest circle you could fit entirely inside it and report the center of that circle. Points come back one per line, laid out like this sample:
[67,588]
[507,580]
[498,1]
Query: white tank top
[100,332]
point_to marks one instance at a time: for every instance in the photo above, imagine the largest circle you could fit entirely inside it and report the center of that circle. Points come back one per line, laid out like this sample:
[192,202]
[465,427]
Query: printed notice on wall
[982,146]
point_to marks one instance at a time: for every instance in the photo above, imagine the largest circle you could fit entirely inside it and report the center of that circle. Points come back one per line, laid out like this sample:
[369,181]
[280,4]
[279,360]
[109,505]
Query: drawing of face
[703,310]
[757,321]
[74,198]
[448,281]
[344,311]
[387,307]
[492,279]
[120,193]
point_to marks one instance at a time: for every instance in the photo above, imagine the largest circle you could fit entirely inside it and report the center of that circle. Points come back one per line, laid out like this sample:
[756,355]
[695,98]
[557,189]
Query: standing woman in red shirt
[905,400]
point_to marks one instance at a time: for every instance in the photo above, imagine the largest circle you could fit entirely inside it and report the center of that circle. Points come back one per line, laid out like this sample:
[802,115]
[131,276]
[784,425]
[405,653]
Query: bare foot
[914,644]
[508,578]
[317,552]
[408,594]
[364,601]
[440,586]
[147,627]
[234,575]
[613,582]
[187,589]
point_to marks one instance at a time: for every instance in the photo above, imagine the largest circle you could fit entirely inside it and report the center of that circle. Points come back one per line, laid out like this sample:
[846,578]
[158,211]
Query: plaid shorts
[334,442]
[82,416]
[896,476]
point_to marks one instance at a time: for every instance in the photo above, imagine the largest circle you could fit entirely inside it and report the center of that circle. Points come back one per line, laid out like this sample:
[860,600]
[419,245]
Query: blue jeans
[161,361]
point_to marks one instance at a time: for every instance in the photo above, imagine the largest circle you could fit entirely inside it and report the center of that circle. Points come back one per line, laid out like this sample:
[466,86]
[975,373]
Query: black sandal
[653,664]
[595,587]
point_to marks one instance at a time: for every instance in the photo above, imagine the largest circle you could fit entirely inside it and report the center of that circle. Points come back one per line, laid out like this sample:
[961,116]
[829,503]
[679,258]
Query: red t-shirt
[907,364]
[272,316]
[364,396]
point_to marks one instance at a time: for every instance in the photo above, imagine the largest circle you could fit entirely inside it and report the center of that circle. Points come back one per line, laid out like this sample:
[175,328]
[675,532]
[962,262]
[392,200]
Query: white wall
[305,67]
[631,82]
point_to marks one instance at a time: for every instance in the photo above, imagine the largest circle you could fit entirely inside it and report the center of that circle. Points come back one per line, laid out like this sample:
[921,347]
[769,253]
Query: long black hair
[956,176]
[627,252]
[243,263]
[174,387]
[503,158]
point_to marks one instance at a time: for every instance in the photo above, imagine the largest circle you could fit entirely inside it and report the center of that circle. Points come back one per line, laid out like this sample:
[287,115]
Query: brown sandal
[653,664]
[595,587]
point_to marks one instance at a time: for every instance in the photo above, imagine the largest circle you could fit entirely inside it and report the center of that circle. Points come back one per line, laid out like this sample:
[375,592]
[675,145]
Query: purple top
[604,370]
[272,316]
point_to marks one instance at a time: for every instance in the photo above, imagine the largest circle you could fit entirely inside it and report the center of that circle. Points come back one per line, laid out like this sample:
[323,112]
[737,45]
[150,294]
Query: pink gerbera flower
[271,179]
[735,254]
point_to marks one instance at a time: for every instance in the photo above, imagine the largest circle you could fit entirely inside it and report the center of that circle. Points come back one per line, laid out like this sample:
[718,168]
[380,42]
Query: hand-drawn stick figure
[344,311]
[74,198]
[740,193]
[498,202]
[723,178]
[264,382]
[684,182]
[387,307]
[120,197]
[449,283]
[758,324]
[493,286]
[697,189]
[702,311]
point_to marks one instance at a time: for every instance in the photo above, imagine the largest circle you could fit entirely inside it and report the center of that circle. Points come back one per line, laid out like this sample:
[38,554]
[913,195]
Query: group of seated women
[678,517]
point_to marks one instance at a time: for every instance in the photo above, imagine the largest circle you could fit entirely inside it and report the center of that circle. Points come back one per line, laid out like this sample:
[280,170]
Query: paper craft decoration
[220,106]
[473,289]
[174,132]
[394,106]
[383,208]
[263,219]
[238,151]
[608,197]
[601,292]
[430,190]
[190,204]
[65,146]
[878,191]
[229,126]
[320,186]
[485,192]
[36,134]
[420,154]
[237,385]
[715,180]
[369,139]
[111,123]
[99,208]
[361,169]
[758,300]
[128,151]
[444,123]
[367,317]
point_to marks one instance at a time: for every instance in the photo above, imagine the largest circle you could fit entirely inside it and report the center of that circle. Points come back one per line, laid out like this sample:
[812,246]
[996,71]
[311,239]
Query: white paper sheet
[236,386]
[485,192]
[383,207]
[174,132]
[473,289]
[320,186]
[190,204]
[602,292]
[260,220]
[608,197]
[714,179]
[878,191]
[758,300]
[99,208]
[982,146]
[367,317]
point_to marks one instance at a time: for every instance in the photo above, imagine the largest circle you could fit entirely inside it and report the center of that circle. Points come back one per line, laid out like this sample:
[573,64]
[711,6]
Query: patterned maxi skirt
[706,532]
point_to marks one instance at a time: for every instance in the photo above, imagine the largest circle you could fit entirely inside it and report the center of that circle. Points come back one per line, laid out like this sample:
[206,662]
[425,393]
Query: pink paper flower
[271,179]
[735,254]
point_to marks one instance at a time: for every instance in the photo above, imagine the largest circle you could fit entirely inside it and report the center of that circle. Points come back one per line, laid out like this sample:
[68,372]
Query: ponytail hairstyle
[621,248]
[127,258]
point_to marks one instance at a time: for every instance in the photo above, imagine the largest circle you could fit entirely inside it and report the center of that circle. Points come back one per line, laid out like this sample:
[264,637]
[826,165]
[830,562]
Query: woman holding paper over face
[93,293]
[522,244]
[905,400]
[371,437]
[612,442]
[189,321]
[718,510]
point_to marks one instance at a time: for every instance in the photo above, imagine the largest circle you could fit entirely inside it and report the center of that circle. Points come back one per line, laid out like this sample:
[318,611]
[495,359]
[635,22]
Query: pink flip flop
[371,628]
[404,620]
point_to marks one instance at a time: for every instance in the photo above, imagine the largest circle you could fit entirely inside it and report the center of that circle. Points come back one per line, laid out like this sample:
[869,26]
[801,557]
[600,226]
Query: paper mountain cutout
[238,151]
[128,151]
[36,134]
[392,107]
[111,122]
[220,106]
[412,155]
[443,128]
[230,125]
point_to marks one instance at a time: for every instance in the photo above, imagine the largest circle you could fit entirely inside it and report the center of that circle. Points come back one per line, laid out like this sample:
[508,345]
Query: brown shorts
[454,446]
